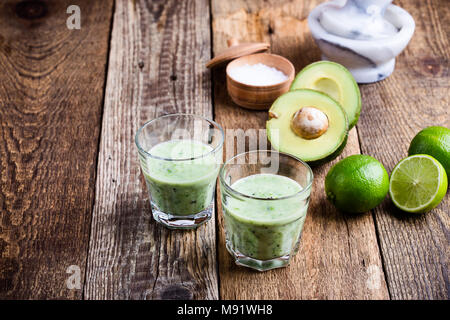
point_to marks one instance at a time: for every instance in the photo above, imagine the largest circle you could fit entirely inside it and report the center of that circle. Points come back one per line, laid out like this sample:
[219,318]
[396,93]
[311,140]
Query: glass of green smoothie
[265,196]
[180,157]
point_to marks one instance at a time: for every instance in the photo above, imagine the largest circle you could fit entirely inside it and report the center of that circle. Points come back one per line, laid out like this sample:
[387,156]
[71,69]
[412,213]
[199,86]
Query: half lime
[418,183]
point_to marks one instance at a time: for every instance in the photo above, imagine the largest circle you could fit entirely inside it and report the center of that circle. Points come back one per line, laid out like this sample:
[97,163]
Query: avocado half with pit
[307,124]
[336,81]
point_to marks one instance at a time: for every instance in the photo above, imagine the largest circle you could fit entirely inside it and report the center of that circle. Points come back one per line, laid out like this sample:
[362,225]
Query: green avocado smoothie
[267,221]
[181,176]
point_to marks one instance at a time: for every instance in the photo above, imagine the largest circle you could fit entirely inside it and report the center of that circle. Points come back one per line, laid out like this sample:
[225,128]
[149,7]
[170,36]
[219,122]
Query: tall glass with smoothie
[180,156]
[265,196]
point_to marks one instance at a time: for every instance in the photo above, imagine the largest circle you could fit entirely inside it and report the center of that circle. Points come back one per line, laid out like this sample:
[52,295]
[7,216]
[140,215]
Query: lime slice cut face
[418,184]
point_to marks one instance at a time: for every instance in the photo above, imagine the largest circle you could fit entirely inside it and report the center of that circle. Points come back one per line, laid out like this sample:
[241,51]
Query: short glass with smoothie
[265,196]
[180,157]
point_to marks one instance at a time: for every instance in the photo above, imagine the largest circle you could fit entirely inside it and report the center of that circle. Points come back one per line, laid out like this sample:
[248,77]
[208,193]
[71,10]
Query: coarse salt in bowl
[257,74]
[255,81]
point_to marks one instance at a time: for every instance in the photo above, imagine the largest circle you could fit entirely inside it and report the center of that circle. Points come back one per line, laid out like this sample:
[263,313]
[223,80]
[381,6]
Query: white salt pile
[257,75]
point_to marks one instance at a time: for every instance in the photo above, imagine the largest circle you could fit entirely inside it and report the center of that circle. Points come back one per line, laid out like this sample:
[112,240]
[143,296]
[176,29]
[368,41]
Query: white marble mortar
[369,60]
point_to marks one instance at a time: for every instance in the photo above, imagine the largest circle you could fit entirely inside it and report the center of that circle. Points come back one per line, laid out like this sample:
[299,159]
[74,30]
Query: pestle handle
[366,4]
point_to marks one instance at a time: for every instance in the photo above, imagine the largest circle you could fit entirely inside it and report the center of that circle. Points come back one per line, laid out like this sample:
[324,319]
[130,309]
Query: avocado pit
[309,123]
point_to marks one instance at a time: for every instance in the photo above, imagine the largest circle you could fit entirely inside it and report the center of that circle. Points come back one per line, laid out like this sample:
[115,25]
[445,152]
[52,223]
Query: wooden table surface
[72,197]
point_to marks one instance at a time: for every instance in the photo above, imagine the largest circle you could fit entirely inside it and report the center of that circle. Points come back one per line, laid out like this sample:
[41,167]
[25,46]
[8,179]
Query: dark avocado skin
[332,156]
[426,138]
[352,182]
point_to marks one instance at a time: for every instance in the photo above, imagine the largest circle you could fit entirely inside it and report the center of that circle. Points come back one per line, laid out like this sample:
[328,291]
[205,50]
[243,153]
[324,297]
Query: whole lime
[357,183]
[434,141]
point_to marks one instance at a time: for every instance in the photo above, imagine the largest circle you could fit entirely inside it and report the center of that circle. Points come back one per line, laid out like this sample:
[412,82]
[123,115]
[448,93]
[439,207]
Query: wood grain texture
[51,90]
[415,249]
[339,256]
[156,66]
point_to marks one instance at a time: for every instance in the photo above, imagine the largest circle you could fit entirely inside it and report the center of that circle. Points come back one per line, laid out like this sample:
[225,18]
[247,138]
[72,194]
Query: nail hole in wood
[31,9]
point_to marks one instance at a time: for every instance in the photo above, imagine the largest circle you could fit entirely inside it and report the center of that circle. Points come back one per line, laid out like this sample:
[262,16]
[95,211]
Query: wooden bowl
[259,97]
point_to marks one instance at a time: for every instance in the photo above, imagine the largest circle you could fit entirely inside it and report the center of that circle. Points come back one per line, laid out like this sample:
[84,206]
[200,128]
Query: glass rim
[212,151]
[233,191]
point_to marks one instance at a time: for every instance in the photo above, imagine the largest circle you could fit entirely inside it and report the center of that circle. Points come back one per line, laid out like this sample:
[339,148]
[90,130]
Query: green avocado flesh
[284,139]
[336,81]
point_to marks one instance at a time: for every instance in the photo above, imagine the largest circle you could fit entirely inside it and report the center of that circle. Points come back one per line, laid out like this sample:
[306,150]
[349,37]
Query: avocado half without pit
[334,80]
[307,124]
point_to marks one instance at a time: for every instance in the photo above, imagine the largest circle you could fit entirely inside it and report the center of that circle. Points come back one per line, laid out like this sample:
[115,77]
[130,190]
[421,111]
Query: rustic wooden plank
[414,248]
[156,67]
[51,91]
[339,256]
